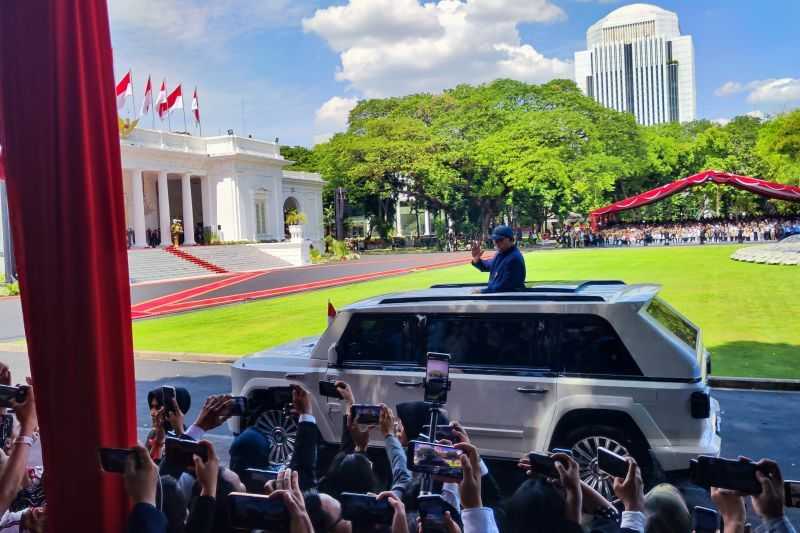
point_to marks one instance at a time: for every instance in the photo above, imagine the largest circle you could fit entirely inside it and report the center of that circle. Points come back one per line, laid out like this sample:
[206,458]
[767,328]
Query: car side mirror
[333,354]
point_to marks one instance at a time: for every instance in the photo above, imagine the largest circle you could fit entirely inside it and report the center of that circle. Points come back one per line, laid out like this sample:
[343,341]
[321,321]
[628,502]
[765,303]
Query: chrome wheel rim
[585,454]
[282,430]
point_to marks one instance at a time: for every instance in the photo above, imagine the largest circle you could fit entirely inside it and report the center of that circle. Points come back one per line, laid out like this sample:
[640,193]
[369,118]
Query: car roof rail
[457,285]
[513,297]
[541,286]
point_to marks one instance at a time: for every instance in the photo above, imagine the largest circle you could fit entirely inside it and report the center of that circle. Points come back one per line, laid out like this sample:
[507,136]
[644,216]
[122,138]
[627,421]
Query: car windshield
[667,317]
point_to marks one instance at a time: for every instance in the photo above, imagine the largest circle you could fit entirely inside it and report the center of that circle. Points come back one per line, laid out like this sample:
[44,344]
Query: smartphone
[565,451]
[167,397]
[543,464]
[256,511]
[280,396]
[443,432]
[792,490]
[329,389]
[435,459]
[113,459]
[181,452]
[366,415]
[705,520]
[255,478]
[431,511]
[6,428]
[437,377]
[366,509]
[611,463]
[708,471]
[8,393]
[239,406]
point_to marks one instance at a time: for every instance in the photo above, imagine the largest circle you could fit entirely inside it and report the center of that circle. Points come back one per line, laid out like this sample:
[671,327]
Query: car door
[378,355]
[503,390]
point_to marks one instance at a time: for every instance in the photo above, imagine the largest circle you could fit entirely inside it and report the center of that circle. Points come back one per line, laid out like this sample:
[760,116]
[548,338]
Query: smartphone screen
[436,459]
[792,489]
[437,375]
[113,459]
[543,464]
[366,415]
[611,463]
[181,452]
[255,478]
[705,520]
[8,393]
[239,406]
[329,390]
[256,511]
[431,510]
[366,509]
[167,396]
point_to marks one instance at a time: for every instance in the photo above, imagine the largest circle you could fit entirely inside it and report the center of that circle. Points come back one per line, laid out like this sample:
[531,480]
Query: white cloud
[779,90]
[720,121]
[756,114]
[332,117]
[395,47]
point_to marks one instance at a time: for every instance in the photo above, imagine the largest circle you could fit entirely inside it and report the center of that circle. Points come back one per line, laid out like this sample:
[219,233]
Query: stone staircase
[237,257]
[186,256]
[156,264]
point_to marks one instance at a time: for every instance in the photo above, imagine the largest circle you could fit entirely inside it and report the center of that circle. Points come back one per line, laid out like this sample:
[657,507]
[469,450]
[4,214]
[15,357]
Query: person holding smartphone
[507,268]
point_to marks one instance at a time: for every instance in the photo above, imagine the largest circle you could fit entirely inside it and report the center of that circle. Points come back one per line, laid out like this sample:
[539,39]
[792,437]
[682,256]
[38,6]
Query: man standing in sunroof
[507,268]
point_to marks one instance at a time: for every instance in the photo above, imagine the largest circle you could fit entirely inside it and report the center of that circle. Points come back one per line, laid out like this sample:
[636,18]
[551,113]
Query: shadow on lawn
[756,359]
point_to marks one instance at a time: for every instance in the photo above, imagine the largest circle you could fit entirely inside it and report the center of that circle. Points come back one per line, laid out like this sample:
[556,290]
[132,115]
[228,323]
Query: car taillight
[700,404]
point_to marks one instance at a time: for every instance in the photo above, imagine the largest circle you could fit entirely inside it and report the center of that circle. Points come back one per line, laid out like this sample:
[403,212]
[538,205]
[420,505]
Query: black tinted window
[589,345]
[379,338]
[673,322]
[507,341]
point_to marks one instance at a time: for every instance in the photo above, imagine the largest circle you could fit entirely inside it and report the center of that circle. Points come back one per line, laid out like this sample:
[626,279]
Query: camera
[329,390]
[113,459]
[437,378]
[181,452]
[9,393]
[256,511]
[435,459]
[740,476]
[365,508]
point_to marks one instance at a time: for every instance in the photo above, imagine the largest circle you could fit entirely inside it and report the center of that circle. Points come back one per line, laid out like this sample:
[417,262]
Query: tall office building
[637,61]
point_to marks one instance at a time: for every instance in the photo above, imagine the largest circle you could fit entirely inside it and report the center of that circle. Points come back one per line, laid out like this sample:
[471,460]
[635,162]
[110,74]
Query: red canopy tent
[768,189]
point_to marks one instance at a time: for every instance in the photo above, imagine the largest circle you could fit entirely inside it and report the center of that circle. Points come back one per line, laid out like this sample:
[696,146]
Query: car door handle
[530,390]
[408,383]
[294,376]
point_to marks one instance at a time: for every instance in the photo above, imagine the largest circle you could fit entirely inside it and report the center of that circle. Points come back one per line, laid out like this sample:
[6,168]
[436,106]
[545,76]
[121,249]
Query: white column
[139,227]
[188,214]
[398,222]
[427,222]
[164,221]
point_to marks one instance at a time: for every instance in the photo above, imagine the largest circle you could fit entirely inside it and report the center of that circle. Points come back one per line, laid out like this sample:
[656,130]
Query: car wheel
[282,430]
[584,442]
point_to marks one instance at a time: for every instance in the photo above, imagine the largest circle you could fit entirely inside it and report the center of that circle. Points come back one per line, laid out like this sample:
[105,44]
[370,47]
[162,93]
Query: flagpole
[133,96]
[183,108]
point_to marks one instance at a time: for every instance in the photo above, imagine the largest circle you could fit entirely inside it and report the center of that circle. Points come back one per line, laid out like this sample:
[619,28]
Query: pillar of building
[139,226]
[188,214]
[165,223]
[427,222]
[398,220]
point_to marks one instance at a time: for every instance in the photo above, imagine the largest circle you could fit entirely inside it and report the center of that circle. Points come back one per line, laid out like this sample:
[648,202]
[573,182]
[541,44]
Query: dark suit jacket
[145,518]
[201,515]
[304,458]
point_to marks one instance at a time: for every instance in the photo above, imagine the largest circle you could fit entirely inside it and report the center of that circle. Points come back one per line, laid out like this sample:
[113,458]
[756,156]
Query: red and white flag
[124,90]
[175,100]
[195,107]
[148,98]
[331,313]
[161,101]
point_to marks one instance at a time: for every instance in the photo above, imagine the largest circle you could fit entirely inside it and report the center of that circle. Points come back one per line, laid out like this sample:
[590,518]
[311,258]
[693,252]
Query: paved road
[11,326]
[755,424]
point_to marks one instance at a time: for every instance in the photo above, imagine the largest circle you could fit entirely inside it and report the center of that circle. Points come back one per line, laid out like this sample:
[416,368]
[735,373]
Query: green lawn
[750,314]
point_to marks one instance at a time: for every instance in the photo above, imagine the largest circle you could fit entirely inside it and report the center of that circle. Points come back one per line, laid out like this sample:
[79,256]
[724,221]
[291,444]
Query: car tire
[584,441]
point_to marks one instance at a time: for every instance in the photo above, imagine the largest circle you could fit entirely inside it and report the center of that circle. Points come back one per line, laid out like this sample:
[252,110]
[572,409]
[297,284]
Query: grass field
[750,314]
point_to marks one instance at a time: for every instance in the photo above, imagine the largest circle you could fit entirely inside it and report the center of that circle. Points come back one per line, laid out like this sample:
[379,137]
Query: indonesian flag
[331,313]
[195,107]
[161,101]
[175,100]
[148,98]
[124,90]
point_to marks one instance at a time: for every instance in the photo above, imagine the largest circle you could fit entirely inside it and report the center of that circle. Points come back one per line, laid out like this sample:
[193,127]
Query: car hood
[285,354]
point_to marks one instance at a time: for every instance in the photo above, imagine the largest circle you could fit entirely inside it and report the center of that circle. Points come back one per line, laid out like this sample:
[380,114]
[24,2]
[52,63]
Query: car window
[379,338]
[589,345]
[495,341]
[671,320]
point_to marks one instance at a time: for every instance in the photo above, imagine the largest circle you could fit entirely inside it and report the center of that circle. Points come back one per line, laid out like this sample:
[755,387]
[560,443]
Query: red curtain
[61,149]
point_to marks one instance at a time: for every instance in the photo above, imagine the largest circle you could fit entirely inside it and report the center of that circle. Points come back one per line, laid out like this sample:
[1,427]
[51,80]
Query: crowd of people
[169,495]
[679,233]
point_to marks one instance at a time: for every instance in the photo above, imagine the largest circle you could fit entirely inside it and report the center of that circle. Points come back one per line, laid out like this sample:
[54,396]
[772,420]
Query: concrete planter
[296,232]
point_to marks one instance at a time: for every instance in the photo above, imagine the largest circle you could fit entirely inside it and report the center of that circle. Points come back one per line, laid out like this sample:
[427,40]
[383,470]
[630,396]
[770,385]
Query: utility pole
[339,203]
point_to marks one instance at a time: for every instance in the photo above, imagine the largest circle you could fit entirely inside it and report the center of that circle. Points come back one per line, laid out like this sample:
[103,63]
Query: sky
[293,69]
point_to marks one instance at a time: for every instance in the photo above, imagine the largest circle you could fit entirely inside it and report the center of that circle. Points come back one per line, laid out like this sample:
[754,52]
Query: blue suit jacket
[506,271]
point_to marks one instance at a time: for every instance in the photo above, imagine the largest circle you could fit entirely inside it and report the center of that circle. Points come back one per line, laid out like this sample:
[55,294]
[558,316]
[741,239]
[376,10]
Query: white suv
[575,365]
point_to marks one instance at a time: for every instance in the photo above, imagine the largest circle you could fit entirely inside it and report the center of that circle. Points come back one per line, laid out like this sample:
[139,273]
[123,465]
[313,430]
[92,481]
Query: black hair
[537,507]
[319,519]
[172,503]
[350,472]
[222,521]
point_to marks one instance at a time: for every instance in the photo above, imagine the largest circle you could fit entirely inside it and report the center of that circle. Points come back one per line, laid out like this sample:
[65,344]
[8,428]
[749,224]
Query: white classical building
[234,187]
[638,62]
